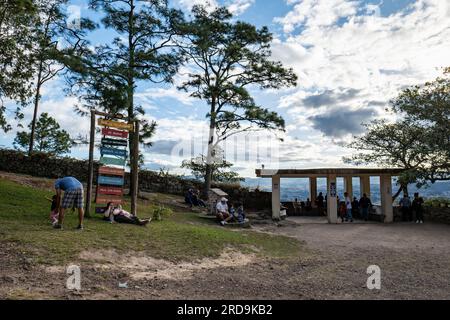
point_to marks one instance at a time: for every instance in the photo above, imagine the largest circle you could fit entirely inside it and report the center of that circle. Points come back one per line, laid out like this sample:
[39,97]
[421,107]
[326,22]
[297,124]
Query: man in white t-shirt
[222,211]
[348,205]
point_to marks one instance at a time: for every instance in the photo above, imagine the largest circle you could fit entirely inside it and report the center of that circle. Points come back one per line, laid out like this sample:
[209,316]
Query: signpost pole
[134,169]
[87,210]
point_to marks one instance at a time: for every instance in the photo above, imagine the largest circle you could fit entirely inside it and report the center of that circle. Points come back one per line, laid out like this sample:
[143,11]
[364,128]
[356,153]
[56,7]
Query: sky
[351,58]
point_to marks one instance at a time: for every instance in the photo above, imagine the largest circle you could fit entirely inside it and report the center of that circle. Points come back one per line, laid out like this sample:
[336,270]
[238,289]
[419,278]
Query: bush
[437,202]
[160,212]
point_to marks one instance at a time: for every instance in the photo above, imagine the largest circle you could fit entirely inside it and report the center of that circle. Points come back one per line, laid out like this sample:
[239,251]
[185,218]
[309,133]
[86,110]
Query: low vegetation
[178,236]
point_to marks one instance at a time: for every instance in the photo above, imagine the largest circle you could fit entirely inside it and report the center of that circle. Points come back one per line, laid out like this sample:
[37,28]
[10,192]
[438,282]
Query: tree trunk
[212,126]
[36,107]
[402,188]
[405,190]
[130,85]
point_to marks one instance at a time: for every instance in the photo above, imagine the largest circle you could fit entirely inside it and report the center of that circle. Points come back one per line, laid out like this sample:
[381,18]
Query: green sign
[112,161]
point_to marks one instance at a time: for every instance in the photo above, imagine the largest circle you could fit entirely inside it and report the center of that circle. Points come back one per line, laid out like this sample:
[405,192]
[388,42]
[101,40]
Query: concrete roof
[267,173]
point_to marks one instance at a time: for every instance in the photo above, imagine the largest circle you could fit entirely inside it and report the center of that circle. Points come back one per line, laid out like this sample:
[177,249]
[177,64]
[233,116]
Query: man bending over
[73,195]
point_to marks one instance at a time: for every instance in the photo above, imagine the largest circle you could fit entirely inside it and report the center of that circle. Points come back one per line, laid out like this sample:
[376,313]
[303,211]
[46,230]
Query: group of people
[233,213]
[73,198]
[192,198]
[307,205]
[409,207]
[349,209]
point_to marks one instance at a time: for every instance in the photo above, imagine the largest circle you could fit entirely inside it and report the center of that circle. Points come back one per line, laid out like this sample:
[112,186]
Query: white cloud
[345,45]
[236,7]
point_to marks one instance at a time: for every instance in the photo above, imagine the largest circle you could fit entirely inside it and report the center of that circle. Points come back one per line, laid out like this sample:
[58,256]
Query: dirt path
[414,261]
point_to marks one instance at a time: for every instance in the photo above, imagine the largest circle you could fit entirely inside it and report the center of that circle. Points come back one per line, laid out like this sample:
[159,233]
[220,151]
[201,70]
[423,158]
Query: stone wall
[437,214]
[41,165]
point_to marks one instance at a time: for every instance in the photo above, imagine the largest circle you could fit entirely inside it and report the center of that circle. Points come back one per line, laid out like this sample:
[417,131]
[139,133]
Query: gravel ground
[414,261]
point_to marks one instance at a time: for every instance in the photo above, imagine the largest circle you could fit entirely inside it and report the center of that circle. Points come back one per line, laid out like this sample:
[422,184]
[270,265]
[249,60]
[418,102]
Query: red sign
[114,133]
[110,190]
[111,171]
[107,199]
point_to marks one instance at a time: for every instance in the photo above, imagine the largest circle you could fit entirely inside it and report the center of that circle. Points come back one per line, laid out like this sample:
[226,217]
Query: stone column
[364,184]
[313,190]
[276,197]
[348,186]
[386,198]
[331,200]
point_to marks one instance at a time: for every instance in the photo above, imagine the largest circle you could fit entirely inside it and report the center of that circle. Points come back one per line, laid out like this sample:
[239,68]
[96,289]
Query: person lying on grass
[73,196]
[115,213]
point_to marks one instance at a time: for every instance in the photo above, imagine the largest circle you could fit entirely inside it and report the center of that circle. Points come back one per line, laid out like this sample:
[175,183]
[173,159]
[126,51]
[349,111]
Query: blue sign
[113,181]
[113,152]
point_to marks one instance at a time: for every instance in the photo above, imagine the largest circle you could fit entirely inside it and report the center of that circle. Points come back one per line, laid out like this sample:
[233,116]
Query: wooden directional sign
[114,181]
[114,133]
[115,191]
[114,142]
[111,171]
[115,124]
[107,199]
[112,161]
[113,152]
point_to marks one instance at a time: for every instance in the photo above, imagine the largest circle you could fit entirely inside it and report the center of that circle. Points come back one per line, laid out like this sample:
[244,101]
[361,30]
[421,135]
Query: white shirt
[348,203]
[222,207]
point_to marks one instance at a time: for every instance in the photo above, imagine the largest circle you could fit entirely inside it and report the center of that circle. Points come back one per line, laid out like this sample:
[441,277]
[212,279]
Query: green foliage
[418,142]
[220,171]
[226,57]
[49,137]
[24,221]
[16,42]
[428,106]
[107,76]
[161,212]
[437,202]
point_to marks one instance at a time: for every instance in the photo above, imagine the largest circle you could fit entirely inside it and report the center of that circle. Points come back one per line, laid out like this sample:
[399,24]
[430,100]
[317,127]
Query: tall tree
[418,142]
[401,145]
[226,58]
[56,40]
[50,138]
[16,41]
[428,105]
[107,78]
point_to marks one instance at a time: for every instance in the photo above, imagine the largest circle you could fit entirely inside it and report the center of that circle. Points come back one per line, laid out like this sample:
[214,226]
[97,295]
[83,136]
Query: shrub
[160,212]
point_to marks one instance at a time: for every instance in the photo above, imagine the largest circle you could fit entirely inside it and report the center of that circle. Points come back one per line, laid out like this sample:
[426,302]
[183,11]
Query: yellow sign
[115,124]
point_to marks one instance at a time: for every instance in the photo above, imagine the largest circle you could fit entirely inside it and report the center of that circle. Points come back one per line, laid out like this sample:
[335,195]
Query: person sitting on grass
[196,197]
[73,196]
[239,214]
[53,209]
[222,213]
[188,198]
[115,213]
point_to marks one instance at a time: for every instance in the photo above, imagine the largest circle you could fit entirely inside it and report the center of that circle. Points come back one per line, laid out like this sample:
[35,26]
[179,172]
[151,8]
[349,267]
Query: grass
[182,236]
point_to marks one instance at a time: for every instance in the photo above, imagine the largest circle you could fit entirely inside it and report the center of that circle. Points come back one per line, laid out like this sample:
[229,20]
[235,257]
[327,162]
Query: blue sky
[351,57]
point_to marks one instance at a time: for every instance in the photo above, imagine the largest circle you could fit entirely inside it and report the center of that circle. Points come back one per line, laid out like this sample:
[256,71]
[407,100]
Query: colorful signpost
[114,133]
[116,130]
[115,124]
[113,152]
